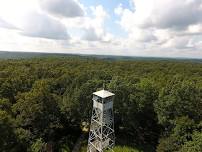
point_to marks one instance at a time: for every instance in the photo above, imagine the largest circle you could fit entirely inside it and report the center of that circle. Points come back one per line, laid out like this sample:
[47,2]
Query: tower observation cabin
[101,135]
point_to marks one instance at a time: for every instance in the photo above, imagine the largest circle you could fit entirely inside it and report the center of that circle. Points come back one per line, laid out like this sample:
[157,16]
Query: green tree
[38,110]
[8,140]
[37,146]
[179,98]
[194,145]
[180,134]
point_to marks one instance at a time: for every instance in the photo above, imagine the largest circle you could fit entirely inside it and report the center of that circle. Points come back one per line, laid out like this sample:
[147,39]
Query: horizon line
[83,54]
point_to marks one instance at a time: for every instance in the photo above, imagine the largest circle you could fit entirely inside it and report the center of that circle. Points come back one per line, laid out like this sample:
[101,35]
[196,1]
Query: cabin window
[108,99]
[97,98]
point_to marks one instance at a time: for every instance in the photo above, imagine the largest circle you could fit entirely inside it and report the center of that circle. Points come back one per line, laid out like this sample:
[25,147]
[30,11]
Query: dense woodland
[44,102]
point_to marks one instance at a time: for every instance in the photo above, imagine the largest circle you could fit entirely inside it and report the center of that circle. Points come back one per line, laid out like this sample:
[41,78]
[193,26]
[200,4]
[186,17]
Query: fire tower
[101,135]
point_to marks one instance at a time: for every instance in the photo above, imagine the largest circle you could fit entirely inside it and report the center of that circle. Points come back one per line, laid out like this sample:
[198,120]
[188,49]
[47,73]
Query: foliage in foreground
[44,101]
[124,149]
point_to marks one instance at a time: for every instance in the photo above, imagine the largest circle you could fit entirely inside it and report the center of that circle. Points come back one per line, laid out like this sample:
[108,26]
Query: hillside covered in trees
[44,101]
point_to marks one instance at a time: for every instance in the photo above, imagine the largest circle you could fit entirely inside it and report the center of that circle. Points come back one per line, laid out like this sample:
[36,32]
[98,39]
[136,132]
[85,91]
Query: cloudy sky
[166,28]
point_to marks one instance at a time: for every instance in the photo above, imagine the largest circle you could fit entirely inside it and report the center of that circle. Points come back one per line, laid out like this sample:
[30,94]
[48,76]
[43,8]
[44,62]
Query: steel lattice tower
[101,135]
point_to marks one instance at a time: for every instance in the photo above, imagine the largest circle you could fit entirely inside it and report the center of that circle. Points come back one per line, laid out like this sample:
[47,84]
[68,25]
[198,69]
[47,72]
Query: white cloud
[26,17]
[177,43]
[91,35]
[119,9]
[94,29]
[162,25]
[41,30]
[162,14]
[152,27]
[62,8]
[12,41]
[195,29]
[40,25]
[5,24]
[175,14]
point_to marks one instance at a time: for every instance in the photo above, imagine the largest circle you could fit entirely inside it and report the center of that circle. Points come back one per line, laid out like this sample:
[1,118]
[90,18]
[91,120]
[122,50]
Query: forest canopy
[44,101]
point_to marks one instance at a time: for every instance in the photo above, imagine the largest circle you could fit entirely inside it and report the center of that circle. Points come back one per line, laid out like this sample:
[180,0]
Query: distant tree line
[43,102]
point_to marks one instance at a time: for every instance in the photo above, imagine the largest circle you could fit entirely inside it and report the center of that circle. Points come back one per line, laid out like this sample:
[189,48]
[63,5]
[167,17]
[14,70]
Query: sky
[152,28]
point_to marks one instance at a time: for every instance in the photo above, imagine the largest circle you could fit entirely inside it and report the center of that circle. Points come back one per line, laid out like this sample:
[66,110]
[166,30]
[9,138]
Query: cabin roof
[103,93]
